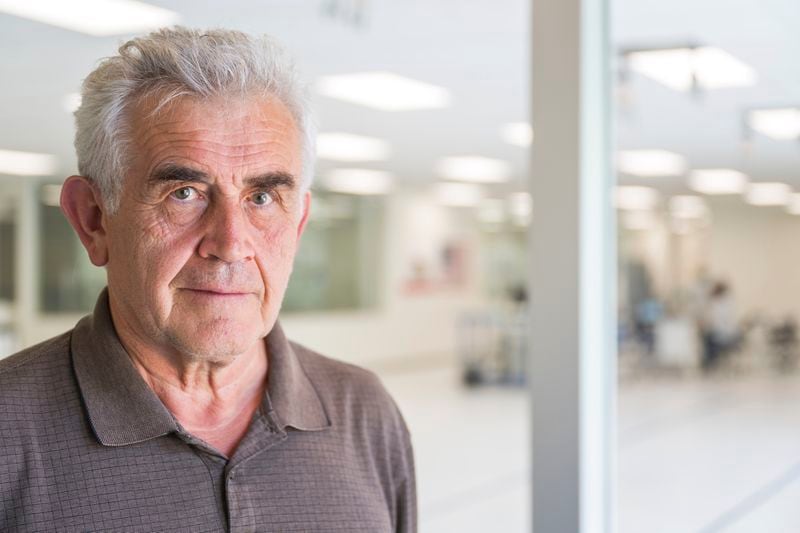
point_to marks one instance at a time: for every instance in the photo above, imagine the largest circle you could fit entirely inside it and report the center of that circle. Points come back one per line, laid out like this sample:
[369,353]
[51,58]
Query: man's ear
[82,205]
[306,210]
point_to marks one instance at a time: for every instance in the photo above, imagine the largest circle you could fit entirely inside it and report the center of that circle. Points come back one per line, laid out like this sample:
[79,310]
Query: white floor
[471,448]
[696,455]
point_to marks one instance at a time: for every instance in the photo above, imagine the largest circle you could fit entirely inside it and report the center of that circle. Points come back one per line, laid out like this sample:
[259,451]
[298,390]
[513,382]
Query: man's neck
[211,401]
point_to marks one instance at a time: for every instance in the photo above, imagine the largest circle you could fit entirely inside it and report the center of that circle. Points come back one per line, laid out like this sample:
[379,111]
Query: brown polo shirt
[85,445]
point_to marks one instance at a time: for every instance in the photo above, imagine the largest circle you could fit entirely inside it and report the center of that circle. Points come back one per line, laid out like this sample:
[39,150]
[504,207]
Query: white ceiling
[478,49]
[707,128]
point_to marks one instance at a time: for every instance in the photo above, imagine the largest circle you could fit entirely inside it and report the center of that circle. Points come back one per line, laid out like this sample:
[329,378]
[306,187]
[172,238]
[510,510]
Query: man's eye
[261,198]
[184,193]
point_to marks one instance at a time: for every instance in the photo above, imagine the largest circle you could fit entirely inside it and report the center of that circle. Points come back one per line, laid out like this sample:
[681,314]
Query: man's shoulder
[357,403]
[346,386]
[37,365]
[330,373]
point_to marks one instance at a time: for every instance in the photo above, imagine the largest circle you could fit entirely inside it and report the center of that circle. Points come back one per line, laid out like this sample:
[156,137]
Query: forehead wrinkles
[248,133]
[259,143]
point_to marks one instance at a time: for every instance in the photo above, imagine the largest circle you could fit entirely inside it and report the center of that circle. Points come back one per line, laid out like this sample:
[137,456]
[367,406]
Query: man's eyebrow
[271,180]
[173,172]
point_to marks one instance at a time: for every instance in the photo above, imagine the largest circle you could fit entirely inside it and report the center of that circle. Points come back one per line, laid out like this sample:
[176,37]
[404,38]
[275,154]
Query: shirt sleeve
[407,494]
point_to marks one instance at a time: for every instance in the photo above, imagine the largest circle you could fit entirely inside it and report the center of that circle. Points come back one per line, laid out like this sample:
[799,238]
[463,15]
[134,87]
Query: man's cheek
[281,241]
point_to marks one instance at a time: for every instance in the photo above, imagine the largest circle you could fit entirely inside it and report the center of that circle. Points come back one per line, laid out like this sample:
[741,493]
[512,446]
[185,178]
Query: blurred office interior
[415,262]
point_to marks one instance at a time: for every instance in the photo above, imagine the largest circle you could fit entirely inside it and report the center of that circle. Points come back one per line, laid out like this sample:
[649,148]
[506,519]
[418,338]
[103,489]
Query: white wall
[757,250]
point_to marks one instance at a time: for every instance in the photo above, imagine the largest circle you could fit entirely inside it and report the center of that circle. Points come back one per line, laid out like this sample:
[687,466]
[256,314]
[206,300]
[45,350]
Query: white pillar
[573,277]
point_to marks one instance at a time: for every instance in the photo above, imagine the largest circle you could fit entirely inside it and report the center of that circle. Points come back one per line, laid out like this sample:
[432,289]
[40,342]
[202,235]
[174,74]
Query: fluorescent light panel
[650,163]
[717,69]
[27,163]
[518,134]
[632,197]
[384,91]
[768,194]
[350,148]
[676,68]
[668,67]
[359,181]
[93,17]
[474,169]
[717,181]
[459,194]
[781,124]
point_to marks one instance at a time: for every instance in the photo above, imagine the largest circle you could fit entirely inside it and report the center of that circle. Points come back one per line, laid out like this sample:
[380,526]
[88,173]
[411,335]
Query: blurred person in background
[179,404]
[718,326]
[648,313]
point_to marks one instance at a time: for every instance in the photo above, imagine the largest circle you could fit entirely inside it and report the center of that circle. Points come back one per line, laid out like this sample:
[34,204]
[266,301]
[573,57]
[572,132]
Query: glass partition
[69,281]
[338,262]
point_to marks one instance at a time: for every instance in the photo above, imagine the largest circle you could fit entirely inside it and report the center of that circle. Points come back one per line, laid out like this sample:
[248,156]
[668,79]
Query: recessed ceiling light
[384,91]
[767,194]
[93,17]
[474,169]
[717,181]
[679,68]
[518,133]
[650,163]
[71,102]
[27,163]
[459,194]
[359,181]
[781,124]
[632,197]
[350,147]
[687,206]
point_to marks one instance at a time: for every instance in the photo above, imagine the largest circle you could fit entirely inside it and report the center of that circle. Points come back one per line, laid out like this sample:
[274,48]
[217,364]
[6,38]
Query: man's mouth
[209,291]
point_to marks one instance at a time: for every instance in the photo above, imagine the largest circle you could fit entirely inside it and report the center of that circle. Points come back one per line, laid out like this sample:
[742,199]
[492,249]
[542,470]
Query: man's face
[201,248]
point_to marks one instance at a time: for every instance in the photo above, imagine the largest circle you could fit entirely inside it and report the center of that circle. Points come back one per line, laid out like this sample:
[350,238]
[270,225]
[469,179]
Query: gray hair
[176,62]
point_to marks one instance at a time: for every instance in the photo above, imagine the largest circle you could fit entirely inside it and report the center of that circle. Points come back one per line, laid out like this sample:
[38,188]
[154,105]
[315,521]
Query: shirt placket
[264,433]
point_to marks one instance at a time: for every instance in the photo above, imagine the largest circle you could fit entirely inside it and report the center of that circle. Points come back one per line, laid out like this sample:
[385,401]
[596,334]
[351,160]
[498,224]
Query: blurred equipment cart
[783,341]
[493,346]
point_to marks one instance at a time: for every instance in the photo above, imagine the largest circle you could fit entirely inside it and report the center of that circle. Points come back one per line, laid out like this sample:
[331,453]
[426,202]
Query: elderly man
[179,404]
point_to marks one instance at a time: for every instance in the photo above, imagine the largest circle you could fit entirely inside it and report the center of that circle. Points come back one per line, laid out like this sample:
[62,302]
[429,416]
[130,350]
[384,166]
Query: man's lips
[217,291]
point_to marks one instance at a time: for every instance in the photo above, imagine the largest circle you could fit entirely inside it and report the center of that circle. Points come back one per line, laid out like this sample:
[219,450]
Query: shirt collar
[289,390]
[123,410]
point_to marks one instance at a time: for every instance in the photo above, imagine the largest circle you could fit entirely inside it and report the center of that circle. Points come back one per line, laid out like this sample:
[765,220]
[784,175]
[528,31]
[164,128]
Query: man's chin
[218,342]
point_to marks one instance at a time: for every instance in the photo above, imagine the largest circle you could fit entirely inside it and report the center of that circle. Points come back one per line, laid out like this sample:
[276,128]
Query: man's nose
[227,233]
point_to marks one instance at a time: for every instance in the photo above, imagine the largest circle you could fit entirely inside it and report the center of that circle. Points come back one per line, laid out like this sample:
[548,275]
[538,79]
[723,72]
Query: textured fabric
[85,445]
